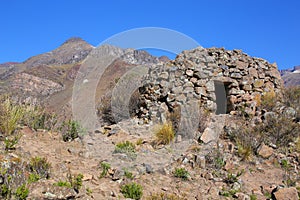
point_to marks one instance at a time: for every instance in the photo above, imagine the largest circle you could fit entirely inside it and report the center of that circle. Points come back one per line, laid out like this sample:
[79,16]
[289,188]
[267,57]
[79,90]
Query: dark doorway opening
[221,91]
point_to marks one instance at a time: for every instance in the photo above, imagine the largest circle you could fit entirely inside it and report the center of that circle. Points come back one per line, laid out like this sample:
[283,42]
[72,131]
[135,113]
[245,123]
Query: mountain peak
[74,40]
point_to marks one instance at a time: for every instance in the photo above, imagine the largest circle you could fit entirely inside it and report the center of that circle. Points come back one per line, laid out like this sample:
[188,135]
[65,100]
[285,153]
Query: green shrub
[40,167]
[33,178]
[215,159]
[165,134]
[89,191]
[132,190]
[126,147]
[22,192]
[105,167]
[76,181]
[181,173]
[232,178]
[228,193]
[11,141]
[71,130]
[253,197]
[63,184]
[5,191]
[128,174]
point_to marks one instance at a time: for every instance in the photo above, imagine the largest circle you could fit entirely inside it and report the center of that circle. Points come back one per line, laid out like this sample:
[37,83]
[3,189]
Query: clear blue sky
[263,28]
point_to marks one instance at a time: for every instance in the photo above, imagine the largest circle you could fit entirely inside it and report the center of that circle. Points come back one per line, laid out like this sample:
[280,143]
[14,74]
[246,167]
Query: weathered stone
[200,90]
[242,196]
[247,87]
[201,162]
[181,98]
[241,65]
[149,168]
[264,151]
[253,72]
[201,82]
[164,75]
[194,80]
[258,83]
[177,90]
[179,138]
[235,75]
[286,194]
[189,72]
[208,135]
[210,86]
[200,75]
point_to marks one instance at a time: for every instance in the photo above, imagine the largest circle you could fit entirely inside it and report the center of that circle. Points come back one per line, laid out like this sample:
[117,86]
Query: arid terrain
[210,124]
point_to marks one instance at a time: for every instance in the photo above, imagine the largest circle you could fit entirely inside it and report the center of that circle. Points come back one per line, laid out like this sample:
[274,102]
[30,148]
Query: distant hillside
[49,77]
[291,77]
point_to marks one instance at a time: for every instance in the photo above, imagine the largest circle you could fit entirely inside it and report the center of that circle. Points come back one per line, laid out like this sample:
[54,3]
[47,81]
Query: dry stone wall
[222,81]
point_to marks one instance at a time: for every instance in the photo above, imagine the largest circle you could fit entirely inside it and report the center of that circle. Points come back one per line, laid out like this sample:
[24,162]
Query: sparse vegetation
[74,181]
[11,141]
[40,167]
[174,118]
[228,193]
[164,196]
[10,115]
[268,100]
[132,190]
[71,130]
[128,174]
[278,130]
[36,118]
[253,197]
[105,167]
[215,159]
[33,178]
[63,184]
[22,192]
[89,191]
[139,141]
[126,147]
[165,134]
[181,173]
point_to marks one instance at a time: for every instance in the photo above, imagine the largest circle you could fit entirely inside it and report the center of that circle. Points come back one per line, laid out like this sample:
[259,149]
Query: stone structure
[222,81]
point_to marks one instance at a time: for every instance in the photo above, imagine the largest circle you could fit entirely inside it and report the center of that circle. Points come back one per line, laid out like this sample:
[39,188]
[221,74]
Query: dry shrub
[104,109]
[135,103]
[291,98]
[276,129]
[165,134]
[203,119]
[268,100]
[11,115]
[280,130]
[174,118]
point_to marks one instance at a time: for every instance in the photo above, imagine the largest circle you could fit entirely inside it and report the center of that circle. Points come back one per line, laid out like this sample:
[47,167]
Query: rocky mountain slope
[49,77]
[291,77]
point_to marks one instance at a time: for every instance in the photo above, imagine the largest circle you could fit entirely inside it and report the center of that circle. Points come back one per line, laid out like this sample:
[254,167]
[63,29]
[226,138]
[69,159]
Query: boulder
[265,151]
[286,194]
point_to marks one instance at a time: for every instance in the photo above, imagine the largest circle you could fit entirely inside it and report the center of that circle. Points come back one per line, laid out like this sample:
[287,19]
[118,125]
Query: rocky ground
[215,171]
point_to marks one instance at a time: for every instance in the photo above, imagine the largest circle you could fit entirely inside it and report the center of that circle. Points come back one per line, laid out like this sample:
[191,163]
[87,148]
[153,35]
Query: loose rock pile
[214,77]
